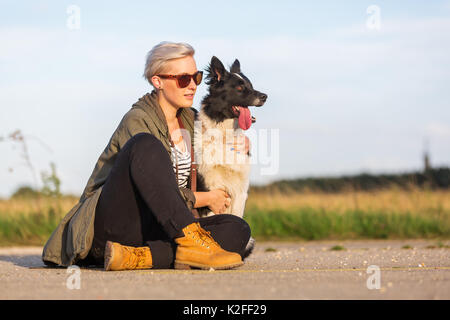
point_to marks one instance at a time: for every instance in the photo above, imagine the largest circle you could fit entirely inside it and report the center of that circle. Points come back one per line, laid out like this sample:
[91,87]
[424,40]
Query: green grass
[317,224]
[338,248]
[306,223]
[439,245]
[29,229]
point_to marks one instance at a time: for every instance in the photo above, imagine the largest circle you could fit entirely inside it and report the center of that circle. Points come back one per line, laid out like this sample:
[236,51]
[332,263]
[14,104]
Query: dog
[224,114]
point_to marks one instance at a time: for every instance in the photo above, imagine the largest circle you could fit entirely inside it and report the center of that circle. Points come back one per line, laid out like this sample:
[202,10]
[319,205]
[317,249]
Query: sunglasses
[184,80]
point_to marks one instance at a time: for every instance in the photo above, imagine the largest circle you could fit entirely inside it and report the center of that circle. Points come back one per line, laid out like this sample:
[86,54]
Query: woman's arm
[202,199]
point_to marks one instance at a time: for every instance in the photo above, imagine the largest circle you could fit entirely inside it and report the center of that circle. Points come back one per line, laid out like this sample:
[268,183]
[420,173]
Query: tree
[25,192]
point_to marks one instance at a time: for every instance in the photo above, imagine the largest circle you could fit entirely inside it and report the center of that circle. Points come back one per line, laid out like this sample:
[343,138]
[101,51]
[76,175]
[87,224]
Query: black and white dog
[224,114]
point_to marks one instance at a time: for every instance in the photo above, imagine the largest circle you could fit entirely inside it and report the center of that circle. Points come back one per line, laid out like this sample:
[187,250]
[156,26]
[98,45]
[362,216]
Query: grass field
[392,213]
[386,214]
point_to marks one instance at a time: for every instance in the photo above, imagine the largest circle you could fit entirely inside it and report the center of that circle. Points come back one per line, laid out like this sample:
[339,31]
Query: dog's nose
[263,97]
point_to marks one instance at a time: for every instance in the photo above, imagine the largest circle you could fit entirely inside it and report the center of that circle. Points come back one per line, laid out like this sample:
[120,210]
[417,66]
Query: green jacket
[72,239]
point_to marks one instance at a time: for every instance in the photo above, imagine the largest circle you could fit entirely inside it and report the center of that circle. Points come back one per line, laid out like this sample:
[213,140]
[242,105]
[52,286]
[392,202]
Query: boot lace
[204,236]
[137,257]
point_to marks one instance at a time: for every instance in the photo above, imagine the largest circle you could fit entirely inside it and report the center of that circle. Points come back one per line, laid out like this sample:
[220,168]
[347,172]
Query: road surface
[407,269]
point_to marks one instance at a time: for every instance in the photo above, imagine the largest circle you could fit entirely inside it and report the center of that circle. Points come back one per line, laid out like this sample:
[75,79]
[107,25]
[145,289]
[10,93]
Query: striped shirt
[184,164]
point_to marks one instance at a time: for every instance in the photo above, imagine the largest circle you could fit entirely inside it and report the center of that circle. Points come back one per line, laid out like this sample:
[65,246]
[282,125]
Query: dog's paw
[249,248]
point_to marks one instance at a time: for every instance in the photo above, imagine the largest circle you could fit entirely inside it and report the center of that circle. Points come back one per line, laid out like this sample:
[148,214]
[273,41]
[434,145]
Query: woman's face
[171,92]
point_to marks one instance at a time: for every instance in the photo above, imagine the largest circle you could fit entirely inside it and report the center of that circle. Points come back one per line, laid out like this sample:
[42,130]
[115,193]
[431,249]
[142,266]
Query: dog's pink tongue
[245,118]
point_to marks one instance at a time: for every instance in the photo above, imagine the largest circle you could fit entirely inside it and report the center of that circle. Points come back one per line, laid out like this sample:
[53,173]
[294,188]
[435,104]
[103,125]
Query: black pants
[140,205]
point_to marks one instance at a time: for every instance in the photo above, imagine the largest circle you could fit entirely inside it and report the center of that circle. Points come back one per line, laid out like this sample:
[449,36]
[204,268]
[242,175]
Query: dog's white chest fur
[220,167]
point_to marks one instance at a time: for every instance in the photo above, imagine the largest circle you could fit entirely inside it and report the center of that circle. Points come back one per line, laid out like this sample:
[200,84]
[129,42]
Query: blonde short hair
[163,52]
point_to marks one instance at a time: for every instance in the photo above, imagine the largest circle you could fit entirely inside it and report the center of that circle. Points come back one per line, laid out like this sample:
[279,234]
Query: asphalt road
[276,270]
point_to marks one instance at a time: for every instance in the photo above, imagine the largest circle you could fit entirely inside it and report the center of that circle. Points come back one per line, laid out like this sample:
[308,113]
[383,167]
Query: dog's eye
[239,88]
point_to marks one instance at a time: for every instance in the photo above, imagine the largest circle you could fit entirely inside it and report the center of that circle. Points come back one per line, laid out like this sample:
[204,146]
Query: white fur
[237,74]
[229,174]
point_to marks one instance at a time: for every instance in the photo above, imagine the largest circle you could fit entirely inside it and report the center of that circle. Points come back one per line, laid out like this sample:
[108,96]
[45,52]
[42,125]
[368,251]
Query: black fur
[249,248]
[223,91]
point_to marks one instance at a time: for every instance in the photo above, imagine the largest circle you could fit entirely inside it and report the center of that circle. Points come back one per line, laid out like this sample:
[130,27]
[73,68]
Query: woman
[133,214]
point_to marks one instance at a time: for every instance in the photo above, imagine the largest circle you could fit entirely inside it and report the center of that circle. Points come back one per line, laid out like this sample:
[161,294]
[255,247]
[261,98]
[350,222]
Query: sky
[353,86]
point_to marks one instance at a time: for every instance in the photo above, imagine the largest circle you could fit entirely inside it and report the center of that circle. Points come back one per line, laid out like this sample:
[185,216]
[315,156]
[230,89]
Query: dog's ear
[217,69]
[236,67]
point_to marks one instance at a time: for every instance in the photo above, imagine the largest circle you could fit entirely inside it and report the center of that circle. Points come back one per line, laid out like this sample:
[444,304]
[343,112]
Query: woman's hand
[219,200]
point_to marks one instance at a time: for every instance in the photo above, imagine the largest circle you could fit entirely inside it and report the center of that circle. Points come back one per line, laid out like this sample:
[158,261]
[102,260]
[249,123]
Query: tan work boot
[198,249]
[118,257]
